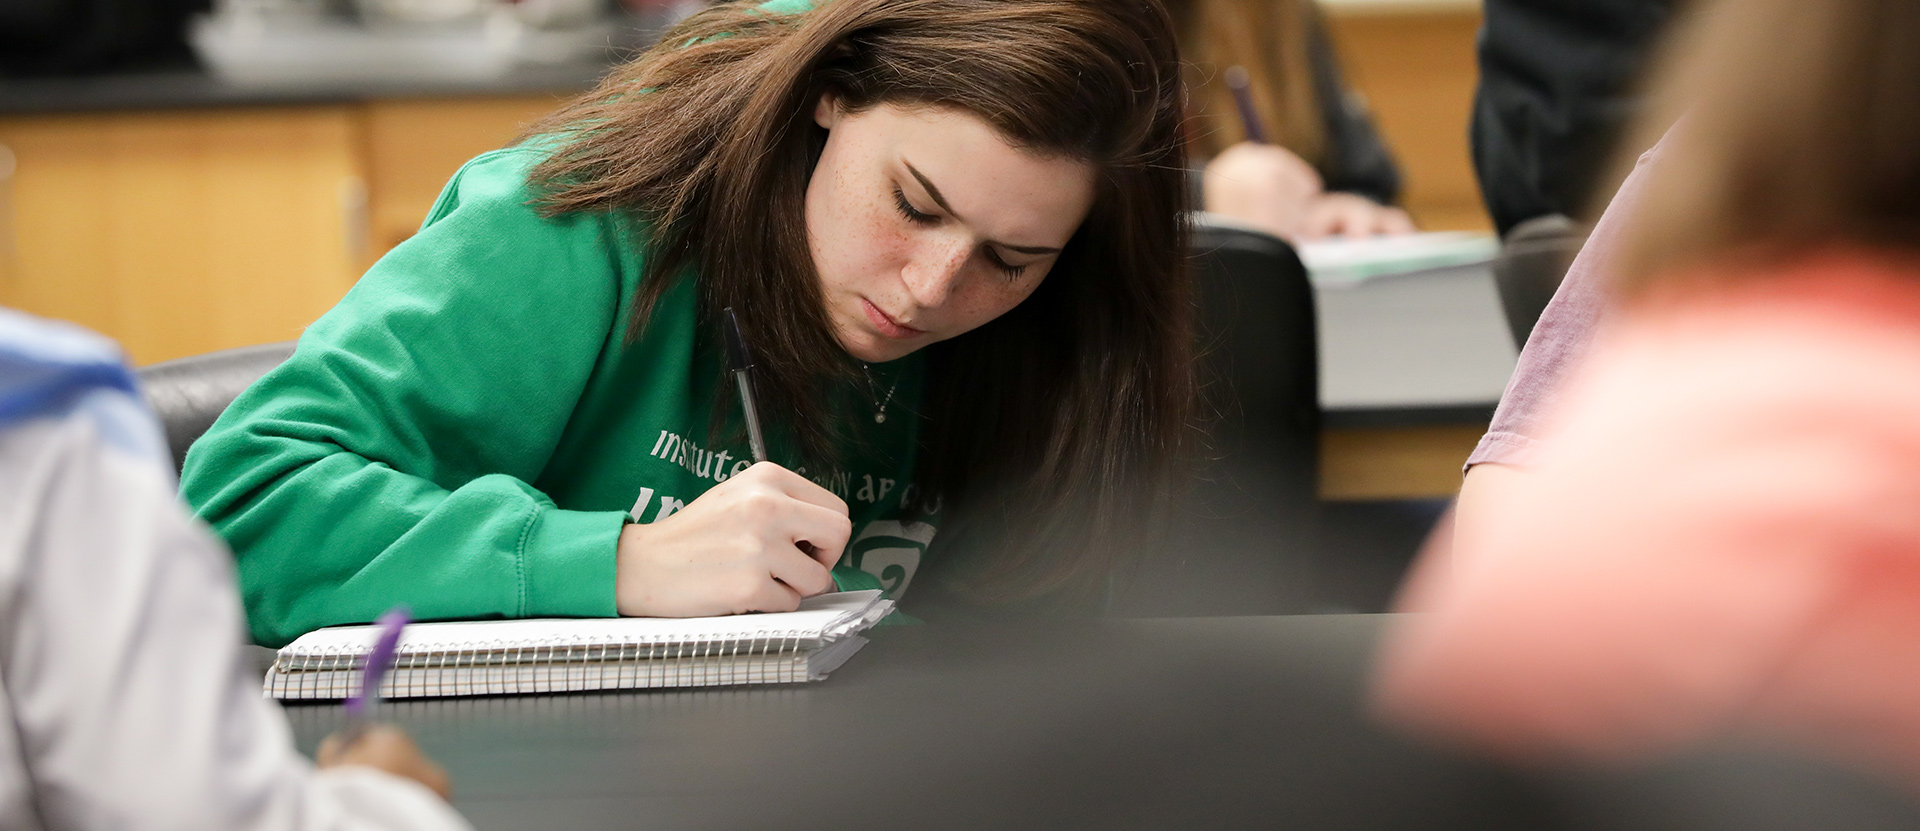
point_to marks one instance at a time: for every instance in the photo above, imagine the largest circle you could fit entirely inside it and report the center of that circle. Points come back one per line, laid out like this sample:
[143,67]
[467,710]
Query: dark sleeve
[1555,91]
[1357,159]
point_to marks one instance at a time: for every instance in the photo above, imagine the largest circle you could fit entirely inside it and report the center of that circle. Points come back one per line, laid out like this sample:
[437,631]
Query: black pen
[740,363]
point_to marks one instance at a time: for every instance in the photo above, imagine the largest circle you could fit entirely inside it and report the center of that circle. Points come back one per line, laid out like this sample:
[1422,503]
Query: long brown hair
[1270,39]
[1059,422]
[1801,129]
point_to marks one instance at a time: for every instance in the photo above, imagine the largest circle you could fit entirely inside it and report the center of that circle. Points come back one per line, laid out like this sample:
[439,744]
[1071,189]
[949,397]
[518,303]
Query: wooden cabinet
[182,232]
[414,146]
[178,233]
[1414,61]
[1395,462]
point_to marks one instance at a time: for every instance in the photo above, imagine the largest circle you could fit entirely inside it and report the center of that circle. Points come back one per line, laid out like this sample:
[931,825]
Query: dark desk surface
[1119,724]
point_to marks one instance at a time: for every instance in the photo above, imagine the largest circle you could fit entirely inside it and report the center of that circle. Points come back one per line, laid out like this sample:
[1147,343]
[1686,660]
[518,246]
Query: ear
[826,110]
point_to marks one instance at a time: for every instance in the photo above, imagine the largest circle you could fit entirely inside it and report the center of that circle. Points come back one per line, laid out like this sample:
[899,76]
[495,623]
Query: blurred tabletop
[1169,723]
[1430,347]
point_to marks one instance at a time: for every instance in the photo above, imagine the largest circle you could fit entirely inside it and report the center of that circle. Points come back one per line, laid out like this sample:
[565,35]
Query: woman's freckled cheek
[970,305]
[992,302]
[890,242]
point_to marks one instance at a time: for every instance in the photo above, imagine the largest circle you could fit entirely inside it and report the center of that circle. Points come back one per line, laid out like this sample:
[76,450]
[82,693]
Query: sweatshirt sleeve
[388,461]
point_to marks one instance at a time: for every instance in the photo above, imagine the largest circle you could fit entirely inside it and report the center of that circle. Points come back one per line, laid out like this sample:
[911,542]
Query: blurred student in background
[1559,83]
[1327,171]
[1498,465]
[1720,533]
[128,702]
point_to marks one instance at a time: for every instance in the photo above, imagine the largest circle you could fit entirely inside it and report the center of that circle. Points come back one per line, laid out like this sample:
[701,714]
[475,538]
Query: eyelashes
[1011,272]
[906,209]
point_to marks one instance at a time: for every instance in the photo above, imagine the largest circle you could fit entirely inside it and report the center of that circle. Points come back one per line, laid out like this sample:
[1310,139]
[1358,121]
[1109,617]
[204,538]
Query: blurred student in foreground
[1720,534]
[127,701]
[1323,169]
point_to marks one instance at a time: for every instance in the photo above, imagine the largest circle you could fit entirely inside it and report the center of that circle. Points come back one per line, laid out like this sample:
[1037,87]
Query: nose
[932,276]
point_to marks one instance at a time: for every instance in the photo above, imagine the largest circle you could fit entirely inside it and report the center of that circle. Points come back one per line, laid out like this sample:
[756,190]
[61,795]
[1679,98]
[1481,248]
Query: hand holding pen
[361,707]
[369,743]
[1270,187]
[760,540]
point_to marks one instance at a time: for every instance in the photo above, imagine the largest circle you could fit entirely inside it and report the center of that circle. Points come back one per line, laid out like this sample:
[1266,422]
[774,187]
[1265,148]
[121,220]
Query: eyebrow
[942,202]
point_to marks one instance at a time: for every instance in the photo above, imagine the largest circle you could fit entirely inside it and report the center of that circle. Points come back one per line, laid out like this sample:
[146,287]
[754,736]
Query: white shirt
[128,702]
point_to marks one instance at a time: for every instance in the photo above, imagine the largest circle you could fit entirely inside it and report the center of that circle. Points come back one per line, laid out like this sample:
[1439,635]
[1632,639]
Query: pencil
[363,705]
[1242,86]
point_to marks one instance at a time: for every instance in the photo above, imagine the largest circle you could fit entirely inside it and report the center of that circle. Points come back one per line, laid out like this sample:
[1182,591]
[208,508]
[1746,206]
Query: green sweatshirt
[468,430]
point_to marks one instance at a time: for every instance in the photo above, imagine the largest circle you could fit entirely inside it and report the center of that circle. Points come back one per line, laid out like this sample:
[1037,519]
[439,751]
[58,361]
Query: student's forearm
[1485,495]
[341,539]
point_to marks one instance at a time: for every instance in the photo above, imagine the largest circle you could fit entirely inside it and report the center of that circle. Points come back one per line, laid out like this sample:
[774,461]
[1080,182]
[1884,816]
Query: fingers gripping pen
[740,363]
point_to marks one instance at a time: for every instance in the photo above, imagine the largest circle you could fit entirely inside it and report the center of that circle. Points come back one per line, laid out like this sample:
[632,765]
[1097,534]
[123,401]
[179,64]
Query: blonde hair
[1270,39]
[1801,130]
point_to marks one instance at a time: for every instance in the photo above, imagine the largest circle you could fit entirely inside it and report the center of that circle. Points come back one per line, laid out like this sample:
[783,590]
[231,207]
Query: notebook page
[1341,260]
[825,617]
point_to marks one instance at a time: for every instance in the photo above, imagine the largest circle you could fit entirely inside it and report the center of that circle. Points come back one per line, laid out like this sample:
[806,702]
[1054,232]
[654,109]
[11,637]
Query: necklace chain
[873,389]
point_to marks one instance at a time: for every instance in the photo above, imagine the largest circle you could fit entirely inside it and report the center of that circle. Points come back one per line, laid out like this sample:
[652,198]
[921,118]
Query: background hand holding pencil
[1272,188]
[372,744]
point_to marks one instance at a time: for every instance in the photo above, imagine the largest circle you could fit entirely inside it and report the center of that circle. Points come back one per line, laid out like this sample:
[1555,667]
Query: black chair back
[1244,535]
[1259,355]
[1532,261]
[188,394]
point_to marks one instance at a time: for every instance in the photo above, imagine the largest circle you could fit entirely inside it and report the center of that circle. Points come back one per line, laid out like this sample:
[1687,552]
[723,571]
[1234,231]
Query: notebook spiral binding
[502,668]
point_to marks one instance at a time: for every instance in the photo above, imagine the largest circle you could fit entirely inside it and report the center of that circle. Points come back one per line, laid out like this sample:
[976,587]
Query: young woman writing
[951,232]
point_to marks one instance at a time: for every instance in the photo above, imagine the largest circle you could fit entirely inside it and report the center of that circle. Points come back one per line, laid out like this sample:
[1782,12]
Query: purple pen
[1242,86]
[361,707]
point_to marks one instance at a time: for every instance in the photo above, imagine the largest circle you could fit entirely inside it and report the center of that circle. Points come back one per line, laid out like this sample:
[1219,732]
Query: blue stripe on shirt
[57,370]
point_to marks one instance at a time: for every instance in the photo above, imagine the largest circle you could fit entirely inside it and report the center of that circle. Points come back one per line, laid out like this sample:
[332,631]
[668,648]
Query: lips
[886,324]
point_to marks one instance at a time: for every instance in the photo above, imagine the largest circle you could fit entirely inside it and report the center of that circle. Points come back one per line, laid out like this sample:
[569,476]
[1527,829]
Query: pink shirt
[1562,334]
[1723,538]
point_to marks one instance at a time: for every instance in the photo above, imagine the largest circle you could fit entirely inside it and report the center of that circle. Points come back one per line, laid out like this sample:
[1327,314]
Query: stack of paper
[1344,261]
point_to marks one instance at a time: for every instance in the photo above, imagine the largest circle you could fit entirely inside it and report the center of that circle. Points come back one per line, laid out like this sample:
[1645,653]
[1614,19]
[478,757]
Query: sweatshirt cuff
[850,579]
[568,559]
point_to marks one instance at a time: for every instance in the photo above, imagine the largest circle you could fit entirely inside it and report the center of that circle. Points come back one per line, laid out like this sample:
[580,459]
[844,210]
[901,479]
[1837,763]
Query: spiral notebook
[513,657]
